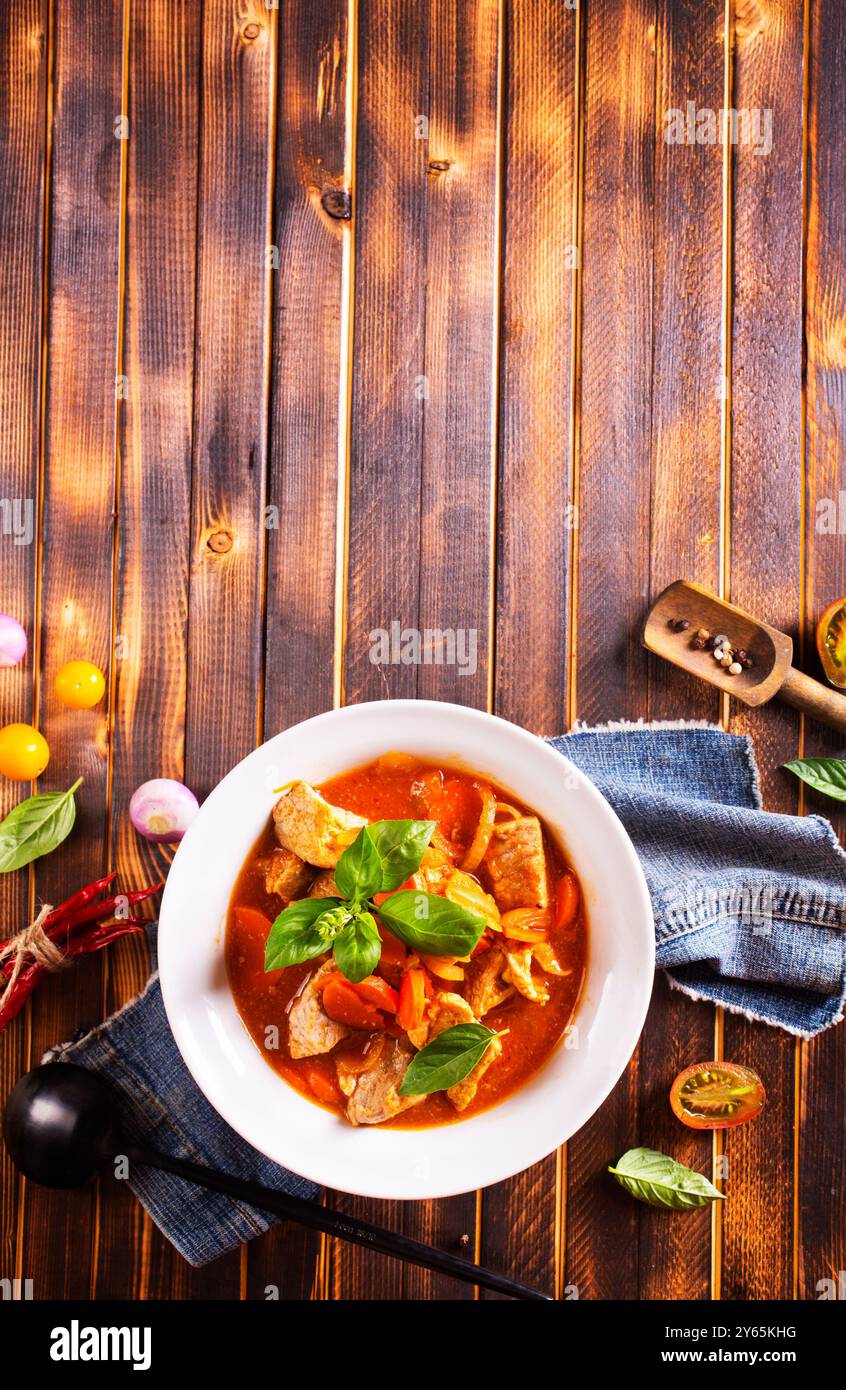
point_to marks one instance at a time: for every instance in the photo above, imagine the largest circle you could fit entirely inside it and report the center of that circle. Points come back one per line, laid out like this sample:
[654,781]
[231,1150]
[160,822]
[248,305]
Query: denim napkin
[750,907]
[750,913]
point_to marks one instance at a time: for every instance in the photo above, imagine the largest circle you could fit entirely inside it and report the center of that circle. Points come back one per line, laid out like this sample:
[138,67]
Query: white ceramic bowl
[406,1163]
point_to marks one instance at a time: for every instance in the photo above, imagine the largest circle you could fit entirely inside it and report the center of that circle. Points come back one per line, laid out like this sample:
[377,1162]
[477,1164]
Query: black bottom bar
[243,1339]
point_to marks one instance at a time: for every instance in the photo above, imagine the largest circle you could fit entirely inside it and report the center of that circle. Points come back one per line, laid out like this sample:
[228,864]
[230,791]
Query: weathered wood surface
[412,313]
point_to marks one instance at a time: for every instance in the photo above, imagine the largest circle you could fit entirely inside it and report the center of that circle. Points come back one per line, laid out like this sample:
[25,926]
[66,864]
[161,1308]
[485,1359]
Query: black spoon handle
[322,1218]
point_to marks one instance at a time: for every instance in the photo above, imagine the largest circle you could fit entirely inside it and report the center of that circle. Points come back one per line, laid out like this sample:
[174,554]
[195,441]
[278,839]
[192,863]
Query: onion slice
[484,830]
[161,810]
[525,923]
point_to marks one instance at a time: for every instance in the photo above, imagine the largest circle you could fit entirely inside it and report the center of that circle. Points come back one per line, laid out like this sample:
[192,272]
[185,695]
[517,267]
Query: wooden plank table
[327,314]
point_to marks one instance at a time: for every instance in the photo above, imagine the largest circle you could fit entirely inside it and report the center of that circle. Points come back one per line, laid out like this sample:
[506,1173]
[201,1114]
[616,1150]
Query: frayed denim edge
[618,726]
[748,1013]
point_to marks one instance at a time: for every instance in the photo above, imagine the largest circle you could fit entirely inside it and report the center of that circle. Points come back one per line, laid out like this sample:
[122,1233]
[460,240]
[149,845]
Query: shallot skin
[162,809]
[13,641]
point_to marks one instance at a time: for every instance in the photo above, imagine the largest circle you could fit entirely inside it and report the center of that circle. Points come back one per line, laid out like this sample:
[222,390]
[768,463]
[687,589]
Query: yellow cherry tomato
[23,752]
[80,684]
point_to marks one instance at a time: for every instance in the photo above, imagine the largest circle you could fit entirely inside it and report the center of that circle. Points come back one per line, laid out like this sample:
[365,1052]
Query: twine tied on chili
[34,942]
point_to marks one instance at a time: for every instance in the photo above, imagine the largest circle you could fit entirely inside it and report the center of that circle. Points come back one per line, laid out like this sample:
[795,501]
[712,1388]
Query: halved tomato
[717,1095]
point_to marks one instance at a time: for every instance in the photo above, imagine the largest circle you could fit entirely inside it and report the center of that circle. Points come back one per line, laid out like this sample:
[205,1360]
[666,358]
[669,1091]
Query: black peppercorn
[698,643]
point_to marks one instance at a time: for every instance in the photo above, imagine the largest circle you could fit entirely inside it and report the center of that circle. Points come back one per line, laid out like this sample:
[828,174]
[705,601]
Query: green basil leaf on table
[295,936]
[450,1057]
[358,872]
[662,1182]
[358,947]
[826,775]
[430,924]
[400,845]
[36,827]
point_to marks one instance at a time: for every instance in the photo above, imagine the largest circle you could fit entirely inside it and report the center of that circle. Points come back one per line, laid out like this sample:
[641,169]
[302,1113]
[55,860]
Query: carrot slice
[343,1004]
[253,921]
[566,902]
[324,1087]
[394,953]
[412,999]
[377,992]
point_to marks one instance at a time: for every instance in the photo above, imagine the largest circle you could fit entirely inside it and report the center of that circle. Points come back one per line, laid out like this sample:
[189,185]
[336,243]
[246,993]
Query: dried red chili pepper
[93,940]
[95,912]
[81,925]
[53,923]
[79,899]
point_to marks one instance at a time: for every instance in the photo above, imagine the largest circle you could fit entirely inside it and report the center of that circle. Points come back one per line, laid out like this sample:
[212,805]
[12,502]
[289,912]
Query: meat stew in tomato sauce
[347,1046]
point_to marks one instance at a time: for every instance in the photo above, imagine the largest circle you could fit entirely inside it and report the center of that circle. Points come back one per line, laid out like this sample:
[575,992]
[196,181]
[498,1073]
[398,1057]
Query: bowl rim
[492,1170]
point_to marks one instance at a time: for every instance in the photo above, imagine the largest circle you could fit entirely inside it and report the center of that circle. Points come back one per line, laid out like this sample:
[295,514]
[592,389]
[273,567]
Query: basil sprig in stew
[382,856]
[449,1058]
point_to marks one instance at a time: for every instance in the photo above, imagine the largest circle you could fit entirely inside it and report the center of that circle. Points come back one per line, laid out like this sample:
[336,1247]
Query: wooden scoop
[772,672]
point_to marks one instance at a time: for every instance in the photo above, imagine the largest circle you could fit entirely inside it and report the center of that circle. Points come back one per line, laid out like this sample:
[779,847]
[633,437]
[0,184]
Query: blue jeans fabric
[750,907]
[750,913]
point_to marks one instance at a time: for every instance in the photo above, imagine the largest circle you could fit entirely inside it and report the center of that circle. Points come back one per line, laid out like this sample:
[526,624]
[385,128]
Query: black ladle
[61,1124]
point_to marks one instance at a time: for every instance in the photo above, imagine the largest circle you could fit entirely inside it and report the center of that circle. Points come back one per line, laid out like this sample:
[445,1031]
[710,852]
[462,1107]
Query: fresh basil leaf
[450,1057]
[400,845]
[295,935]
[36,827]
[826,775]
[358,872]
[431,924]
[358,947]
[662,1182]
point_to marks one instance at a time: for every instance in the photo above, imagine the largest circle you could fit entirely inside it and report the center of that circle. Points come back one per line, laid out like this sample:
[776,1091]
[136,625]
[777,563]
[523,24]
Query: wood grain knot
[751,20]
[438,166]
[336,202]
[220,542]
[250,32]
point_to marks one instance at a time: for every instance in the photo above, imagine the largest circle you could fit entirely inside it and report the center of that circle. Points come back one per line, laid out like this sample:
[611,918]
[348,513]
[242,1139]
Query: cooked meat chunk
[516,864]
[324,886]
[547,959]
[286,875]
[485,988]
[310,1029]
[372,1082]
[464,1091]
[446,1010]
[308,825]
[432,878]
[518,972]
[443,1010]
